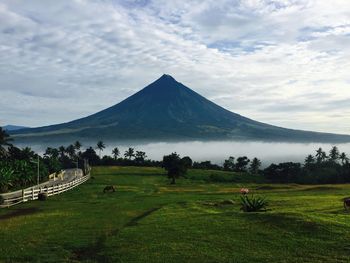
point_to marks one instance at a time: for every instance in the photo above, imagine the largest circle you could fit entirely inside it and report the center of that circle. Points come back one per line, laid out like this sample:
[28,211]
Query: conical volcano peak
[167,77]
[168,110]
[166,80]
[165,84]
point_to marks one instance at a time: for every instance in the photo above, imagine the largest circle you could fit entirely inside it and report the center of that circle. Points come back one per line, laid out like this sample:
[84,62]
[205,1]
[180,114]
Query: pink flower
[244,191]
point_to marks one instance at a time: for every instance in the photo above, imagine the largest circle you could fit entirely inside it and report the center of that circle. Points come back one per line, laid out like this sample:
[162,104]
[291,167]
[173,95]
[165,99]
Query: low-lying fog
[217,152]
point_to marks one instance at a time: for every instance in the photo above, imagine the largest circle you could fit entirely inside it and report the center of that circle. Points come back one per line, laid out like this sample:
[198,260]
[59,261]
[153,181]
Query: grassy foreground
[148,220]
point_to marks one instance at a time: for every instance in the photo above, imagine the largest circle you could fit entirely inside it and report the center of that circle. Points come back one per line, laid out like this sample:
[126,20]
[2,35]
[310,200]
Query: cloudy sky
[284,62]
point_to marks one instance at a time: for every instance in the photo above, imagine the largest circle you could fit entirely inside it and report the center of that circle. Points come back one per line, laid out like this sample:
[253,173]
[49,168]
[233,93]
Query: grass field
[148,220]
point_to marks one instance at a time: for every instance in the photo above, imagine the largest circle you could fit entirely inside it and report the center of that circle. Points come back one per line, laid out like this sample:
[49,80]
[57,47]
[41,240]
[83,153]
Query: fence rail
[29,194]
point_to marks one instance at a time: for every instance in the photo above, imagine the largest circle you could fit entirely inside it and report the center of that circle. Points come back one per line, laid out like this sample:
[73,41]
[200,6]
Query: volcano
[167,110]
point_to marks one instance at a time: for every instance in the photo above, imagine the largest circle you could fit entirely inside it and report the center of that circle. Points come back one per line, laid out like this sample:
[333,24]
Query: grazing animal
[346,201]
[109,188]
[244,191]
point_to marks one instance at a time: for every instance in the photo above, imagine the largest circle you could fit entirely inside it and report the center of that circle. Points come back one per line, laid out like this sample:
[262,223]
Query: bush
[109,188]
[42,196]
[253,204]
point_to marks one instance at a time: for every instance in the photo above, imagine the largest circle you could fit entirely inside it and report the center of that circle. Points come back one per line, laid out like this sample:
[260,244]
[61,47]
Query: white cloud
[283,62]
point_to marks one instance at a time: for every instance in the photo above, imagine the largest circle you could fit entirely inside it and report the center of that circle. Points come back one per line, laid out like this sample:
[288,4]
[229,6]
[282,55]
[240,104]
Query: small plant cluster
[109,188]
[252,203]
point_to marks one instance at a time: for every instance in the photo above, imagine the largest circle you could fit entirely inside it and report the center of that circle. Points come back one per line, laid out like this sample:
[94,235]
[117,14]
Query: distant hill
[166,110]
[13,127]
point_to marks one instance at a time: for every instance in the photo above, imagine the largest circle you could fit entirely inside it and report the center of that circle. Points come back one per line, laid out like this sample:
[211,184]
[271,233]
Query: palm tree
[48,152]
[71,151]
[344,158]
[129,153]
[334,154]
[4,140]
[309,160]
[140,156]
[62,151]
[115,153]
[77,145]
[100,146]
[320,155]
[55,153]
[28,154]
[254,166]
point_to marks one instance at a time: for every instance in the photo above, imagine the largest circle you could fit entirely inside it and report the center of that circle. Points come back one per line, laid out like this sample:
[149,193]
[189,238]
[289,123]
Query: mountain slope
[168,110]
[13,127]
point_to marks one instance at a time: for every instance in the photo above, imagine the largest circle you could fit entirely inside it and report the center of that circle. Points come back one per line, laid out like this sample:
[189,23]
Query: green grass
[148,220]
[223,176]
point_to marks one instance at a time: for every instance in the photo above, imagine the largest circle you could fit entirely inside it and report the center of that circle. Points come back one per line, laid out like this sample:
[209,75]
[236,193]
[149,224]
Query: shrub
[253,204]
[109,188]
[42,196]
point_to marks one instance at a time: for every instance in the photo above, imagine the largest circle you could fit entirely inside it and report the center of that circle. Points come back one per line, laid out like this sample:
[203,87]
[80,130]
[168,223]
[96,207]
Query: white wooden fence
[32,193]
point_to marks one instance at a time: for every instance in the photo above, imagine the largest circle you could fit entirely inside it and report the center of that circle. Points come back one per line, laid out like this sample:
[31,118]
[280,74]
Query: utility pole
[77,164]
[38,165]
[85,166]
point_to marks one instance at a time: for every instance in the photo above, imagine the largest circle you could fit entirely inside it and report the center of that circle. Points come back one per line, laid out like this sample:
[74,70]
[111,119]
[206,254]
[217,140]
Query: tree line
[18,166]
[320,168]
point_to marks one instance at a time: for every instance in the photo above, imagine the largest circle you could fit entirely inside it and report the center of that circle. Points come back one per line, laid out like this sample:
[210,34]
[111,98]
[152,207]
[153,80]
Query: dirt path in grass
[93,252]
[134,220]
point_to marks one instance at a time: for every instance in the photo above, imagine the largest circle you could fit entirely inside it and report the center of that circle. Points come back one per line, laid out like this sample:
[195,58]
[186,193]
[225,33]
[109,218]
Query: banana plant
[24,173]
[6,178]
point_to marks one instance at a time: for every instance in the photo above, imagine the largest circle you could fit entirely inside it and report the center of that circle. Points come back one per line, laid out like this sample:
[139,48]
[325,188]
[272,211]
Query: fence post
[23,200]
[32,193]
